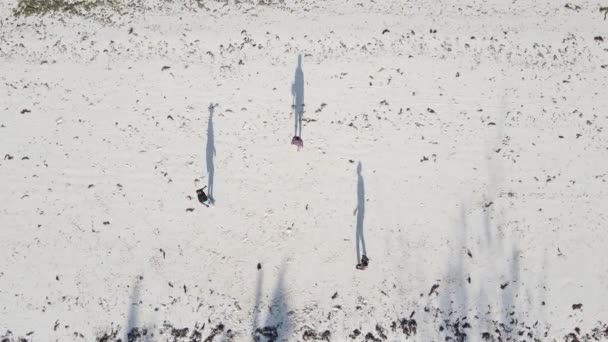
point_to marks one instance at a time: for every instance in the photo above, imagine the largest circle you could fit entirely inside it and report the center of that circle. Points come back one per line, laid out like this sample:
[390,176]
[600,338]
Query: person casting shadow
[131,329]
[297,92]
[362,259]
[210,153]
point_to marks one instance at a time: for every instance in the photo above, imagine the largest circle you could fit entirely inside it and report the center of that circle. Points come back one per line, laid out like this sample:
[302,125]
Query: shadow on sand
[132,332]
[210,153]
[362,259]
[483,306]
[297,93]
[278,324]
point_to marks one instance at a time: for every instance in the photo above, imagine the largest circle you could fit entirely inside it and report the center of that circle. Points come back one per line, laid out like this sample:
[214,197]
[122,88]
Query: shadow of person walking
[257,303]
[362,259]
[210,153]
[278,323]
[131,329]
[297,92]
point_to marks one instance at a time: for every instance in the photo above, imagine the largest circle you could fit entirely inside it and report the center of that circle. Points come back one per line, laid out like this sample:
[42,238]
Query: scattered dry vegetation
[85,7]
[605,11]
[43,7]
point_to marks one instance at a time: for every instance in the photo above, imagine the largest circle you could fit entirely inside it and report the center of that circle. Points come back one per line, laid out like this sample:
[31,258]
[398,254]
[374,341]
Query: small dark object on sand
[364,263]
[270,333]
[259,266]
[202,197]
[296,140]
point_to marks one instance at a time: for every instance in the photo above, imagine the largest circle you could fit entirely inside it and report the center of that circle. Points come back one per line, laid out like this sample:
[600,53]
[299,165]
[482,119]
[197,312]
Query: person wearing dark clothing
[364,263]
[202,196]
[297,92]
[298,142]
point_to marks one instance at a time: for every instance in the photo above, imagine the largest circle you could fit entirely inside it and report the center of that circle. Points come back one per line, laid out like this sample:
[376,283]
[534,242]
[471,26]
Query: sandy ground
[479,128]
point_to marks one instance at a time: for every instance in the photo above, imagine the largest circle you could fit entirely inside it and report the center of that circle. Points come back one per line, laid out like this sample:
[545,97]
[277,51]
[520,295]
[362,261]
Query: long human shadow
[454,301]
[210,153]
[360,212]
[278,323]
[297,92]
[256,304]
[495,307]
[131,329]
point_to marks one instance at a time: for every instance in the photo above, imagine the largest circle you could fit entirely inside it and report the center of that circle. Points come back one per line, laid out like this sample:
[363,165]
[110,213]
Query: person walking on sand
[297,92]
[298,142]
[363,264]
[202,196]
[362,259]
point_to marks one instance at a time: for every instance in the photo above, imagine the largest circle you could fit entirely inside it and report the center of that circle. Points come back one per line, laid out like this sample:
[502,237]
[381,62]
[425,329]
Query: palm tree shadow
[297,92]
[210,153]
[360,212]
